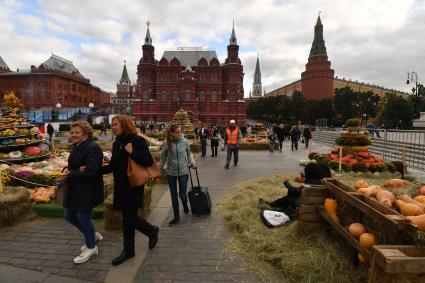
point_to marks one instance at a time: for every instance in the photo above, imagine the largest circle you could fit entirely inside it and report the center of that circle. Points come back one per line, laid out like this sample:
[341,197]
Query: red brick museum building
[55,81]
[188,78]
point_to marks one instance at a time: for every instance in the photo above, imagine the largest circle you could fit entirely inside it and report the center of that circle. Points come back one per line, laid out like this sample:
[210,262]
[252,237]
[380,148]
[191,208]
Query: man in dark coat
[280,135]
[307,135]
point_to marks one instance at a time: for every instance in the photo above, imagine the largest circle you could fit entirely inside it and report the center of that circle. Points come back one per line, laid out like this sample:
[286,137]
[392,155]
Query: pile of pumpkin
[412,208]
[357,230]
[42,195]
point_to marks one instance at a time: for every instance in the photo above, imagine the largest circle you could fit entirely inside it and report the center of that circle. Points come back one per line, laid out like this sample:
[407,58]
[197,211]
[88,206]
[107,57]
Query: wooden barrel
[311,198]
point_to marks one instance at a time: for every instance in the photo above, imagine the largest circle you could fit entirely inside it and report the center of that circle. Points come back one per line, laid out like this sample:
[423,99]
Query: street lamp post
[416,95]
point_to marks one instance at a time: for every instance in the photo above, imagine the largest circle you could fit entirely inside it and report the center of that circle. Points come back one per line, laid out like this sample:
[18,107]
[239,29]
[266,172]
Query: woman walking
[128,200]
[85,188]
[176,152]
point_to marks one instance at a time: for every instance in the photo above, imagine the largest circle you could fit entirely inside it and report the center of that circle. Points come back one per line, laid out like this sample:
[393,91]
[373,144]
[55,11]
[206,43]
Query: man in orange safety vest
[232,138]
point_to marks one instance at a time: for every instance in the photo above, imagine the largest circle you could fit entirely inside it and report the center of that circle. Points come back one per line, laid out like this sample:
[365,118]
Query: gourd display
[395,183]
[356,229]
[385,197]
[422,190]
[370,191]
[408,209]
[361,184]
[420,199]
[408,199]
[330,208]
[418,220]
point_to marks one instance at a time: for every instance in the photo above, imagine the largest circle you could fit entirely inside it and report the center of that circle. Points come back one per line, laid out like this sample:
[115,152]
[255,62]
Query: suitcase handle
[197,176]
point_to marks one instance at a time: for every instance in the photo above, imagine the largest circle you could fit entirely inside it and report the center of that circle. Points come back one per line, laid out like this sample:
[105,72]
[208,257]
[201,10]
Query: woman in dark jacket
[126,199]
[214,141]
[314,173]
[85,188]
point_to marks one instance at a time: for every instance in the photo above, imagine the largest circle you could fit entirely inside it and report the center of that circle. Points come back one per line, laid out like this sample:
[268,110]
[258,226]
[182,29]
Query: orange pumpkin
[395,183]
[408,209]
[361,184]
[367,240]
[362,259]
[356,229]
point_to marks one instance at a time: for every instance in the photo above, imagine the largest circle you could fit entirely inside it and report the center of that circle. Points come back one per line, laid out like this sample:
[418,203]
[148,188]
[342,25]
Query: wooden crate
[311,198]
[370,207]
[392,264]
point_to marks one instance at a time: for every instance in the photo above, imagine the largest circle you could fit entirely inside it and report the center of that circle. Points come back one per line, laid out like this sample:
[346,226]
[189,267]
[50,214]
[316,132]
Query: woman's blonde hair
[84,126]
[127,124]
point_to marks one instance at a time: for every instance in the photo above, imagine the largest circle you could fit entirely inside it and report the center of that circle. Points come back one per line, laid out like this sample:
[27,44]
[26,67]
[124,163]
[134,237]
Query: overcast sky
[367,40]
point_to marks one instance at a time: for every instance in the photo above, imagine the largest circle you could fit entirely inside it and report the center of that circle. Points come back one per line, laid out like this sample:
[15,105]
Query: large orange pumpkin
[361,184]
[367,240]
[356,229]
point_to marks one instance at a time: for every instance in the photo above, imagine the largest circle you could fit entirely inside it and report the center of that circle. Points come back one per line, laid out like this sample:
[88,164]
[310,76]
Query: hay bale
[296,252]
[113,218]
[15,206]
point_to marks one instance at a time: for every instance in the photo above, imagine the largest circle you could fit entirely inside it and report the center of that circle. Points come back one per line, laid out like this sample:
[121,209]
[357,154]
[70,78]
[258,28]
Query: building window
[214,78]
[175,96]
[187,96]
[163,96]
[202,96]
[145,96]
[213,96]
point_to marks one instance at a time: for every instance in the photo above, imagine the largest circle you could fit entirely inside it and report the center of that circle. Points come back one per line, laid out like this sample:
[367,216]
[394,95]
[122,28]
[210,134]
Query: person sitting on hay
[313,175]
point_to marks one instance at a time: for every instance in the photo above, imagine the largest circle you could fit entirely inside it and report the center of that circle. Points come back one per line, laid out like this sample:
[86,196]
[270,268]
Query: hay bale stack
[15,206]
[113,218]
[311,198]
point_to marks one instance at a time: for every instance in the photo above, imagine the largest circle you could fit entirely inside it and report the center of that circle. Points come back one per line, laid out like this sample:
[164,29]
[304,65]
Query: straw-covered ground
[296,252]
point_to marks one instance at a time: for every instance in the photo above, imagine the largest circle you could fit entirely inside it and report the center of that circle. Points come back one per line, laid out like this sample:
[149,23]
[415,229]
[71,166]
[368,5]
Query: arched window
[145,96]
[164,96]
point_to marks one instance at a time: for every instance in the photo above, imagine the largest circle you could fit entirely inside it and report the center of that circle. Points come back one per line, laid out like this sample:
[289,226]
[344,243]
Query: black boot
[122,257]
[174,221]
[153,238]
[185,208]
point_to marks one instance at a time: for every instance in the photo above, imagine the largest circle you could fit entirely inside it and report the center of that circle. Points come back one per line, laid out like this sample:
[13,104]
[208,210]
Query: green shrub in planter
[359,167]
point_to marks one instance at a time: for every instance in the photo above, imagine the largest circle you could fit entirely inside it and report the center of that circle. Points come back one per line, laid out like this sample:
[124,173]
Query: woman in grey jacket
[176,152]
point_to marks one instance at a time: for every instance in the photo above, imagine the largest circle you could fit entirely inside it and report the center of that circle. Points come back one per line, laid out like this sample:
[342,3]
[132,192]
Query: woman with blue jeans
[85,187]
[176,152]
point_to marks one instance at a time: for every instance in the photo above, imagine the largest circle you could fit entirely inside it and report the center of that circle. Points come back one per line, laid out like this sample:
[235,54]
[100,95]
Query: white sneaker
[97,236]
[86,255]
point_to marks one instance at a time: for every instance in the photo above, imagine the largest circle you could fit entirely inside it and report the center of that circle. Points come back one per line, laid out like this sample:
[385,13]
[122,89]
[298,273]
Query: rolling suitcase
[199,197]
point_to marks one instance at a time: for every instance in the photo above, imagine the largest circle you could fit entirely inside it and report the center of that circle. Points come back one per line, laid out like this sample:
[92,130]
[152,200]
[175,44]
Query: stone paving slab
[194,250]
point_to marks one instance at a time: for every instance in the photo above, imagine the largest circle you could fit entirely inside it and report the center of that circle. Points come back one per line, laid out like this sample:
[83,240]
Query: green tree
[393,109]
[345,102]
[368,103]
[319,109]
[298,106]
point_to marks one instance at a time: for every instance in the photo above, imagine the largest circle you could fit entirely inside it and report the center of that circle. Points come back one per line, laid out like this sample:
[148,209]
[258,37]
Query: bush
[64,127]
[359,167]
